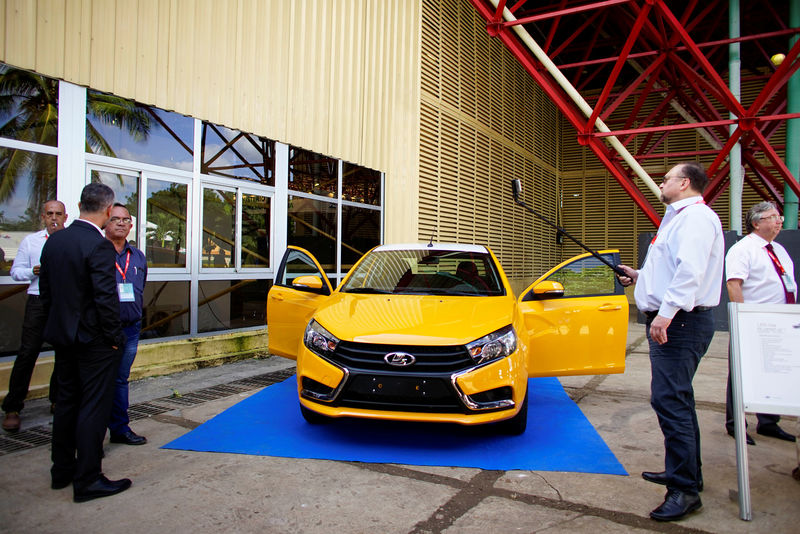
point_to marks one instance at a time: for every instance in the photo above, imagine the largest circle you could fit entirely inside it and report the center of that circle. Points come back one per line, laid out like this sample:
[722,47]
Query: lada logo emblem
[399,359]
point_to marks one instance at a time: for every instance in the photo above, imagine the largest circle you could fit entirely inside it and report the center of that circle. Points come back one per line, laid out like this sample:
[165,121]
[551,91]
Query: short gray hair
[754,215]
[96,197]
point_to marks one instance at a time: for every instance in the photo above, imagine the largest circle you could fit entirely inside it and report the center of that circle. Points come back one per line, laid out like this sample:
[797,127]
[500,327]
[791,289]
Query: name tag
[791,287]
[126,292]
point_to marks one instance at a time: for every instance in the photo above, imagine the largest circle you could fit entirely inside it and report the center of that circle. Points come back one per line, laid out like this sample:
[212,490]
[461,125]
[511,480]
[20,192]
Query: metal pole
[573,93]
[739,429]
[734,82]
[790,202]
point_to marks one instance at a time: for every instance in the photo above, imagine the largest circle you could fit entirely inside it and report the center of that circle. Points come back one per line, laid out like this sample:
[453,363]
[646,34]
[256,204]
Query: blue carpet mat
[558,437]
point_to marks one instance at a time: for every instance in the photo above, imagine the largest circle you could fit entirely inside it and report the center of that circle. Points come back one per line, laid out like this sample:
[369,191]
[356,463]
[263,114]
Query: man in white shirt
[676,289]
[758,270]
[26,269]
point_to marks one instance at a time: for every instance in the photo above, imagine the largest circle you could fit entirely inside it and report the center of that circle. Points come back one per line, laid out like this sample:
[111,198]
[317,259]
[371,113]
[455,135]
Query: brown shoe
[11,422]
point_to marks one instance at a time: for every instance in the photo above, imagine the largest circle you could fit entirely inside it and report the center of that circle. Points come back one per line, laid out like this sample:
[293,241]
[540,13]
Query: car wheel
[517,424]
[313,417]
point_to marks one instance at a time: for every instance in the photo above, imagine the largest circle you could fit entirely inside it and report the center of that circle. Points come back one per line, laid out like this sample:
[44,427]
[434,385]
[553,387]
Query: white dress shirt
[28,256]
[683,268]
[749,261]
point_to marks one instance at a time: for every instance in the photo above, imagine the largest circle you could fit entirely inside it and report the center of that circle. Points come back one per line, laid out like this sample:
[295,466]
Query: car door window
[296,263]
[587,277]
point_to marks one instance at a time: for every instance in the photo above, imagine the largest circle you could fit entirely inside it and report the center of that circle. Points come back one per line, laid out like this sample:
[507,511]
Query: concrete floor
[181,491]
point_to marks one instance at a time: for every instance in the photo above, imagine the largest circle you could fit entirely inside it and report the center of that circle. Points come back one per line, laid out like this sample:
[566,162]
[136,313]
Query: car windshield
[426,272]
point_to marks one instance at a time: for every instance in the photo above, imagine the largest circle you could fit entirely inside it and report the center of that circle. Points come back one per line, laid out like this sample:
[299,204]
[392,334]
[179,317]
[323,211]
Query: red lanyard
[127,262]
[775,260]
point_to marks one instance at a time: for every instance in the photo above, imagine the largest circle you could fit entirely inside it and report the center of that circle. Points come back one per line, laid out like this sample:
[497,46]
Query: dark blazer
[78,287]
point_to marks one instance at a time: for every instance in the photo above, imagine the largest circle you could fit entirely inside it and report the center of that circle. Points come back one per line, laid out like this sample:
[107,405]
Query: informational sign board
[765,372]
[768,337]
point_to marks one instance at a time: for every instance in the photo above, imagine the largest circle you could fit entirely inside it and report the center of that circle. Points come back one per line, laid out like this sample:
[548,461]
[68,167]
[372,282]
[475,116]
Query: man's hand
[633,274]
[36,270]
[658,329]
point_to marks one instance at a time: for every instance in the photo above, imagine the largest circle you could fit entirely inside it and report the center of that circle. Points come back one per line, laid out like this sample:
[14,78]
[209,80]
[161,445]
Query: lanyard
[781,273]
[127,262]
[775,260]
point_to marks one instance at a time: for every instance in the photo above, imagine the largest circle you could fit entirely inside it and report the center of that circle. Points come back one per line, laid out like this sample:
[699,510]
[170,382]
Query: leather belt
[696,309]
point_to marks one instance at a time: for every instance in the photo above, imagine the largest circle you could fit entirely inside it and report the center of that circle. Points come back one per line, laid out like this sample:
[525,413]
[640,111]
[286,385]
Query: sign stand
[765,371]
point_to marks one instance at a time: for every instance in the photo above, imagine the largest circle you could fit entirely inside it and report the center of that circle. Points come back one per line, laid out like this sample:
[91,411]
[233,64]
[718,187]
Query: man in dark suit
[79,293]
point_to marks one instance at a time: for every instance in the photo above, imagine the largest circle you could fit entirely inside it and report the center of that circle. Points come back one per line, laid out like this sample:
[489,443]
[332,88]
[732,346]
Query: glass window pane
[12,312]
[167,206]
[122,128]
[312,226]
[226,304]
[28,107]
[310,172]
[166,309]
[361,230]
[126,191]
[219,223]
[25,185]
[255,230]
[360,184]
[236,154]
[584,277]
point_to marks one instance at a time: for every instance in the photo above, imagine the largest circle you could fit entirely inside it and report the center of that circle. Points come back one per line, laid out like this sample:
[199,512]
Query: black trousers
[85,375]
[31,343]
[764,419]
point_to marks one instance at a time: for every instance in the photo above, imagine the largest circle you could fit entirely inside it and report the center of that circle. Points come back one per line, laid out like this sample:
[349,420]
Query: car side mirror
[307,282]
[548,289]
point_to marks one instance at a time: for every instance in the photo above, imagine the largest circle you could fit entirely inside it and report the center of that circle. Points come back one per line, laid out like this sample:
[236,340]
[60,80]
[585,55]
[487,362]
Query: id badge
[125,292]
[791,287]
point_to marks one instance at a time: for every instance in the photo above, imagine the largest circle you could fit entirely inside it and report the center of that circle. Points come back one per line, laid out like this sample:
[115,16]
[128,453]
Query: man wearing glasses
[676,289]
[131,269]
[758,270]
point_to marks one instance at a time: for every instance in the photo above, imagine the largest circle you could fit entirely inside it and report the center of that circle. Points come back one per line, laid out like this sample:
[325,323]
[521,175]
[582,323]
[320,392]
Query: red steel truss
[632,53]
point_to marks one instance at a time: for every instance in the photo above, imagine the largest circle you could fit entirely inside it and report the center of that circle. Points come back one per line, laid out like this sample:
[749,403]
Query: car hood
[413,319]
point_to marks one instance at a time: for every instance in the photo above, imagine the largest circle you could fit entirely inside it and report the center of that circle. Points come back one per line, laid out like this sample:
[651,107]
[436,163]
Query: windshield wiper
[366,290]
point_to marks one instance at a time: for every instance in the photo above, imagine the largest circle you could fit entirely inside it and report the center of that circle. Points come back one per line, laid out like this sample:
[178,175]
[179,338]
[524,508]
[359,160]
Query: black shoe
[60,484]
[774,431]
[750,440]
[661,478]
[676,505]
[128,438]
[102,487]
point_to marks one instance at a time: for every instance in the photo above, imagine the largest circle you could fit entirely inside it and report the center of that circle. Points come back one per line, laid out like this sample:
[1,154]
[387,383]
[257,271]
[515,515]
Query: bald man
[26,269]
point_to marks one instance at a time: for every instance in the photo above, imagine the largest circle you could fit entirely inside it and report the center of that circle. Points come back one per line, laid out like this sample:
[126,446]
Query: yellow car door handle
[610,307]
[277,297]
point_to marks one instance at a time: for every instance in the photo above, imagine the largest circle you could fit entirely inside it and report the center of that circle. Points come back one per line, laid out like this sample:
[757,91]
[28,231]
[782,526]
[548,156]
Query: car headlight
[318,340]
[494,346]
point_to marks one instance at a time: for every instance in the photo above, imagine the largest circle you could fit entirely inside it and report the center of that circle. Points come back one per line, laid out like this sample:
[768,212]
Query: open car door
[300,287]
[576,319]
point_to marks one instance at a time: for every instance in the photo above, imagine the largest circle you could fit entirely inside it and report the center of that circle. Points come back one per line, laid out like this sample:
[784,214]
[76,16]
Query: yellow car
[433,332]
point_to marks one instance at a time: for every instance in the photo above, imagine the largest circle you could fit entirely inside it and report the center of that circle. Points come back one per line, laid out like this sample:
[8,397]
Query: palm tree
[31,102]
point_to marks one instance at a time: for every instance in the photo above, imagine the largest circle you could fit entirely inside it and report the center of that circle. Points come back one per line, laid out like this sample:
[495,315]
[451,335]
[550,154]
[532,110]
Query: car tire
[517,424]
[313,417]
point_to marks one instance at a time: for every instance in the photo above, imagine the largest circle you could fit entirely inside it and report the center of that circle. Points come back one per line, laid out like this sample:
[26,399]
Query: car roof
[450,247]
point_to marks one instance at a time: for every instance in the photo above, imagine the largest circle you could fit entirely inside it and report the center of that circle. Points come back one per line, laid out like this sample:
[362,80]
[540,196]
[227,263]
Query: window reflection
[236,154]
[310,172]
[126,191]
[167,207]
[122,128]
[166,309]
[226,304]
[312,226]
[360,184]
[361,231]
[23,192]
[219,223]
[29,110]
[255,230]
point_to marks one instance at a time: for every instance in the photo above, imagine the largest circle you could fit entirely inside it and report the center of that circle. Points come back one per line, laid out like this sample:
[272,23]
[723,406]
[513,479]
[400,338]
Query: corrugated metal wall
[340,77]
[484,122]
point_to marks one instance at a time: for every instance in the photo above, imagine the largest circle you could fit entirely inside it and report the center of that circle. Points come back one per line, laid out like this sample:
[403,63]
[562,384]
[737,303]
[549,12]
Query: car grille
[429,359]
[400,393]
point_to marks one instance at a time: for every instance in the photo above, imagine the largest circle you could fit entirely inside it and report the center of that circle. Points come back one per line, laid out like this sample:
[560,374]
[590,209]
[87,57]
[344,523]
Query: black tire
[517,424]
[313,417]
